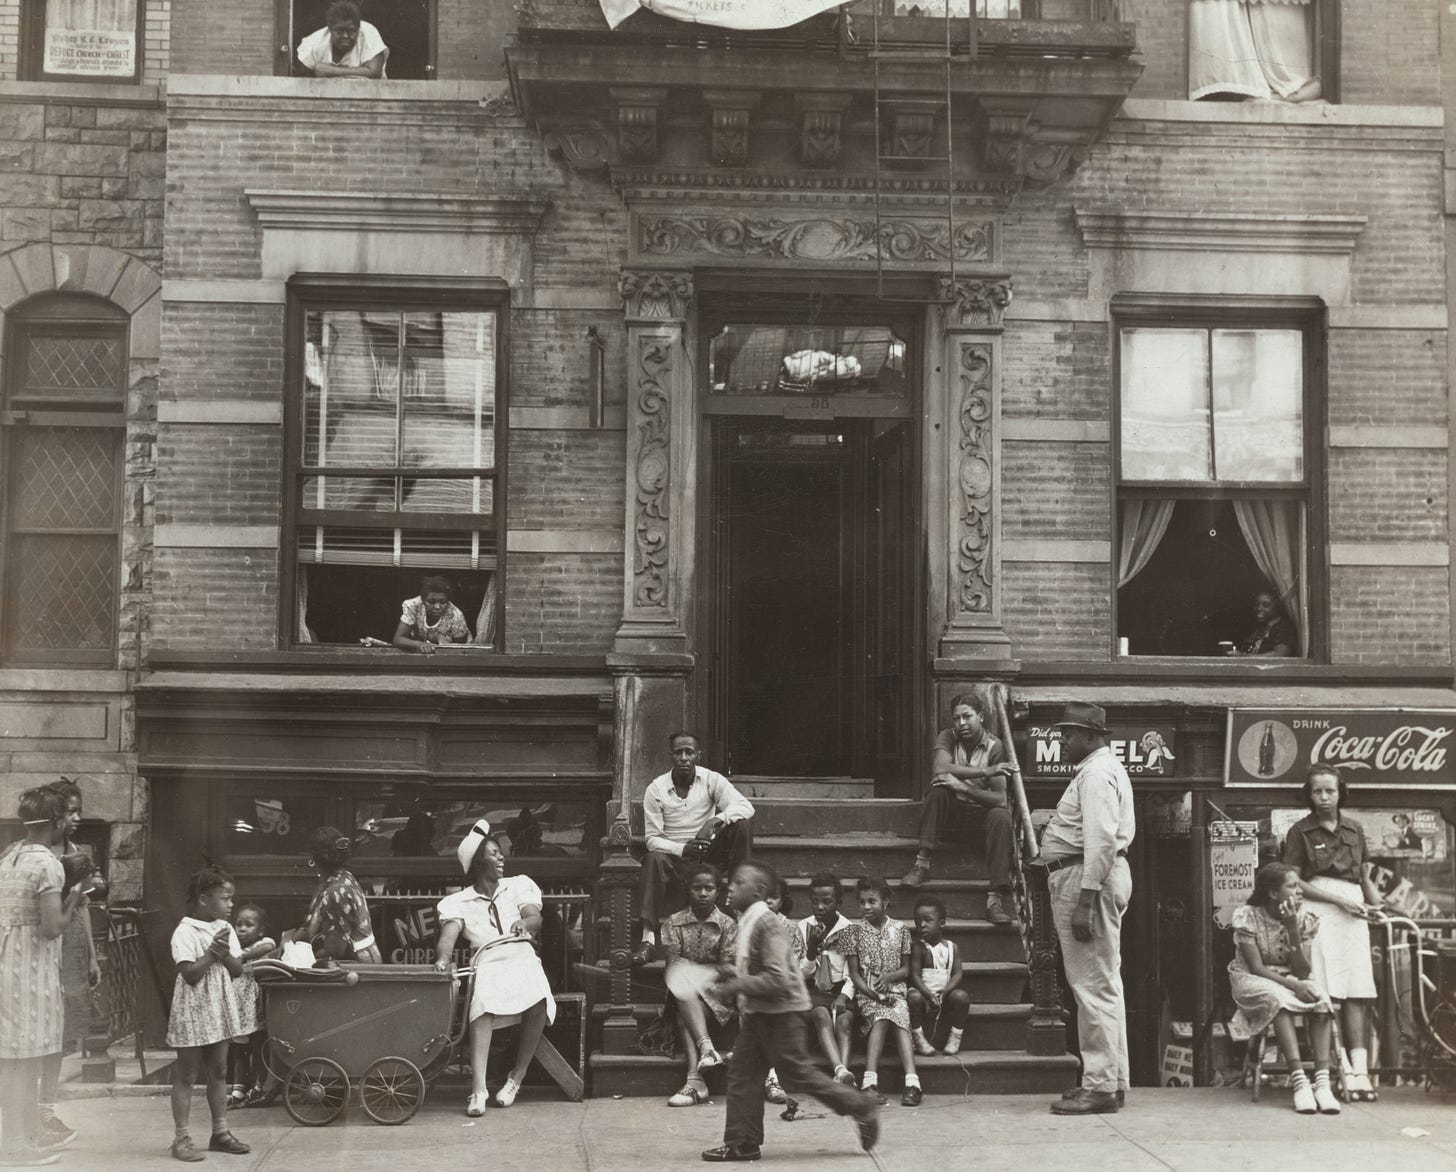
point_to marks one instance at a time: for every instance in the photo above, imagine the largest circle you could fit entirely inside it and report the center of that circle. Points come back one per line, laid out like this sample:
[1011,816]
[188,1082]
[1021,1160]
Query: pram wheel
[391,1091]
[316,1092]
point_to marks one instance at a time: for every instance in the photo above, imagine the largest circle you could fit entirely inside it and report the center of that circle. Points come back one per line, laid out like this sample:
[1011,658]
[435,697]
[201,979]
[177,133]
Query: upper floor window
[397,426]
[404,28]
[1276,49]
[82,40]
[62,433]
[1215,489]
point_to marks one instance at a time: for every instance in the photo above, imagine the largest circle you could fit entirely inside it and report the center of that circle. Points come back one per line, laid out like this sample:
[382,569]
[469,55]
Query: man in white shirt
[345,47]
[1084,847]
[689,814]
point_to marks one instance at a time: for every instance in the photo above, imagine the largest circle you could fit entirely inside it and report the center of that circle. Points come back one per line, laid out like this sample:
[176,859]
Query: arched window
[62,436]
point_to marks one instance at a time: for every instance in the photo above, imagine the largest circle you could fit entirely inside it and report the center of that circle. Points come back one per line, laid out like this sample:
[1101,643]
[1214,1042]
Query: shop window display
[1213,490]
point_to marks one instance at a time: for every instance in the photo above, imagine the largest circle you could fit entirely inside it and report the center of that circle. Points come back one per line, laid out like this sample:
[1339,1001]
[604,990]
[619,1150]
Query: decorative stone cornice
[1013,141]
[729,114]
[817,237]
[383,212]
[976,301]
[639,185]
[654,294]
[584,146]
[637,108]
[1220,231]
[821,127]
[912,128]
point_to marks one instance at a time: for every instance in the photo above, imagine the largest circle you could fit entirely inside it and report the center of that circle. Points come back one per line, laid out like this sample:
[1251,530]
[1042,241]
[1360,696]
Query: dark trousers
[662,874]
[943,808]
[776,1041]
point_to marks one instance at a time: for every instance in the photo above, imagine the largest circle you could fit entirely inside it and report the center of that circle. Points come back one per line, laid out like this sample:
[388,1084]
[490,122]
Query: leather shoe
[228,1142]
[644,953]
[1076,1092]
[1087,1103]
[916,876]
[733,1154]
[996,909]
[911,1097]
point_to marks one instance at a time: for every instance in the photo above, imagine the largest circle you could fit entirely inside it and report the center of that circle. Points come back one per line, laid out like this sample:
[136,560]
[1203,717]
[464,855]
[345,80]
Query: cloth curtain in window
[1282,37]
[485,619]
[1143,524]
[304,634]
[1250,48]
[1274,531]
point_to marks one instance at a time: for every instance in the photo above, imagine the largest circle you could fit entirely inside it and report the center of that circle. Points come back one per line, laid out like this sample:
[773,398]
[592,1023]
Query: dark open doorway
[812,558]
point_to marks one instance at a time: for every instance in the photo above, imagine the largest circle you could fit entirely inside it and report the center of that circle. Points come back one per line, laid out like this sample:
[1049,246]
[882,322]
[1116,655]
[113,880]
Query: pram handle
[267,971]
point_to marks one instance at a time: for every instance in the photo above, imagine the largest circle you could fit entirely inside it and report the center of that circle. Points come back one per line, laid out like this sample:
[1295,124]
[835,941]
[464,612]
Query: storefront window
[434,829]
[1214,490]
[397,464]
[273,825]
[807,360]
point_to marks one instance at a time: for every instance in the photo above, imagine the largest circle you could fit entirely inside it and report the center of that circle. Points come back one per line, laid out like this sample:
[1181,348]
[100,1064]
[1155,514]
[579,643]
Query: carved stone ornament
[585,148]
[654,295]
[818,238]
[976,478]
[652,474]
[912,132]
[730,114]
[637,123]
[976,302]
[821,138]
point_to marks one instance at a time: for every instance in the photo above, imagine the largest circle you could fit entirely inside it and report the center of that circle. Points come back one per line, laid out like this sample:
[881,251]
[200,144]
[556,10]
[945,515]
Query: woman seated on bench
[499,916]
[1269,978]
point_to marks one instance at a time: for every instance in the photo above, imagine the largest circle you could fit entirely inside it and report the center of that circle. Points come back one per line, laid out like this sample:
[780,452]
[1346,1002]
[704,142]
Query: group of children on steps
[896,979]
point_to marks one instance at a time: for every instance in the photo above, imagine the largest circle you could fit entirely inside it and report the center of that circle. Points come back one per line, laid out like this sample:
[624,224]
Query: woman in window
[1273,634]
[499,915]
[430,619]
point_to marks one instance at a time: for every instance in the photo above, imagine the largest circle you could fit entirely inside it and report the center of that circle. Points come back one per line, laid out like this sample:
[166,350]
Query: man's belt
[1073,861]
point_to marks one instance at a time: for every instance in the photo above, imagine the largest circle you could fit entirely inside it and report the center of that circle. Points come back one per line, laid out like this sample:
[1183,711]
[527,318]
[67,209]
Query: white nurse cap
[474,838]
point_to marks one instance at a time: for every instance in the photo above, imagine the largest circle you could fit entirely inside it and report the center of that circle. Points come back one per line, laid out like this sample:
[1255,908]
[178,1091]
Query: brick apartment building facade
[519,315]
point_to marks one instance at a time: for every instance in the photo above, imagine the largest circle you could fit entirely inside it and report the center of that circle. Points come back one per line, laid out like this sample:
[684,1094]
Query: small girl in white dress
[205,1010]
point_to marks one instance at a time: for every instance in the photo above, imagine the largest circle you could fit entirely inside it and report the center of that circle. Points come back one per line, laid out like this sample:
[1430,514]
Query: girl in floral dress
[33,915]
[699,934]
[205,1010]
[879,965]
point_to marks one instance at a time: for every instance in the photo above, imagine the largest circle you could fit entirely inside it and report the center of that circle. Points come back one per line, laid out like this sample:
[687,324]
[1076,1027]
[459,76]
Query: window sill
[62,679]
[200,85]
[376,661]
[146,93]
[1236,669]
[1279,113]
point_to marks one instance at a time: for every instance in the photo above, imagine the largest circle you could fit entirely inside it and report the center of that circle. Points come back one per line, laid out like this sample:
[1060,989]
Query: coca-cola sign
[1374,748]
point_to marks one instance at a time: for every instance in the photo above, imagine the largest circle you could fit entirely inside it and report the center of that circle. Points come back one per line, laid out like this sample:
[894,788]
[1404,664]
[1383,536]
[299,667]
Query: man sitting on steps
[690,815]
[969,776]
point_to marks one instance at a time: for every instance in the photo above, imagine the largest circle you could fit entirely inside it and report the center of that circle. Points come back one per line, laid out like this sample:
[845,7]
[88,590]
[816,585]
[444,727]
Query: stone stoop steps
[853,837]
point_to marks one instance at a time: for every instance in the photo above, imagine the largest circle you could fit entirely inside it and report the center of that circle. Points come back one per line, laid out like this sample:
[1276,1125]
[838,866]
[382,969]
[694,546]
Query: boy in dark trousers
[772,1007]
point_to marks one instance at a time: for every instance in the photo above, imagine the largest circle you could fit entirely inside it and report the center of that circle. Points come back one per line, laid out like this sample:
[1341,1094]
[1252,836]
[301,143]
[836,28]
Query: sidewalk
[1187,1130]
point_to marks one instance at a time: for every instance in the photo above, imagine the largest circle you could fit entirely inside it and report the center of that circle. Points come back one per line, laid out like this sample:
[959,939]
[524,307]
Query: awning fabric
[742,14]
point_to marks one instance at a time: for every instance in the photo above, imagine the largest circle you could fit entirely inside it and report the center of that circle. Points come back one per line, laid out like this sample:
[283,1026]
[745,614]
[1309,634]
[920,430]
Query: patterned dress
[710,941]
[32,1007]
[1259,999]
[881,950]
[208,1011]
[340,914]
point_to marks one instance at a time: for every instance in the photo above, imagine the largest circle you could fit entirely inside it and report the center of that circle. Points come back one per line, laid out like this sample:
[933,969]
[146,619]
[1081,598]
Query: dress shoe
[1076,1092]
[644,953]
[916,876]
[1087,1103]
[996,910]
[689,1096]
[911,1097]
[732,1154]
[226,1141]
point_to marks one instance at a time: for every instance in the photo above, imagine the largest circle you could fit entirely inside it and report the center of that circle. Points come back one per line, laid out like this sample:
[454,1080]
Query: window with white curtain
[396,463]
[1213,497]
[81,40]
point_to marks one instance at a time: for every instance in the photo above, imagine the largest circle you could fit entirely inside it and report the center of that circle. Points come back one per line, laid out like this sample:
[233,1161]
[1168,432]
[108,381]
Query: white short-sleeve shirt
[317,49]
[193,937]
[471,908]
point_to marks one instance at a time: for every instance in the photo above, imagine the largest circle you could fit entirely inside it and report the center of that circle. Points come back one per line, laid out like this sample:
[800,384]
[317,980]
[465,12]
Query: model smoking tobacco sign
[1144,750]
[1372,748]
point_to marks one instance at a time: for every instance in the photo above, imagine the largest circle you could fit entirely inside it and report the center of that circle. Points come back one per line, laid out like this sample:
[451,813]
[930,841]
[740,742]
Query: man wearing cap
[690,814]
[1085,851]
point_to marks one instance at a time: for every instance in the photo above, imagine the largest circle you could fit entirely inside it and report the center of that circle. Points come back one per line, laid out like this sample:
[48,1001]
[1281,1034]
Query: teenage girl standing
[205,1010]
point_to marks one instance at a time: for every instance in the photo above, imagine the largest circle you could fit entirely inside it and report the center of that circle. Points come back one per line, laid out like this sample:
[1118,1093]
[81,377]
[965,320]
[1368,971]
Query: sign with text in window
[1145,751]
[1233,859]
[91,38]
[1373,748]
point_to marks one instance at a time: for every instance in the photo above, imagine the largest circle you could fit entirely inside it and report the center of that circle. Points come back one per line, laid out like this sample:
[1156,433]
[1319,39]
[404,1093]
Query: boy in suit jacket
[772,1004]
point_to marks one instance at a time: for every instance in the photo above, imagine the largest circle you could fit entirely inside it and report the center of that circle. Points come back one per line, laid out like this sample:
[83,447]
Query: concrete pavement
[1187,1130]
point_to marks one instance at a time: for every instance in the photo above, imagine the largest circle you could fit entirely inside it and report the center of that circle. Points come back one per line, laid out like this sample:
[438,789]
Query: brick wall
[566,480]
[222,351]
[215,599]
[563,604]
[219,475]
[1387,376]
[1055,490]
[1057,610]
[1390,614]
[236,37]
[1056,369]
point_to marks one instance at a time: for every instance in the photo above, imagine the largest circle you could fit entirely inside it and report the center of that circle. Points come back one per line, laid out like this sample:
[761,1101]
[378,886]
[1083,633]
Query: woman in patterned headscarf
[338,918]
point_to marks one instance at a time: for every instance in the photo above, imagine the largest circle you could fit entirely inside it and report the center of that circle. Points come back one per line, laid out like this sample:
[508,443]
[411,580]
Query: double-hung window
[1216,489]
[62,433]
[81,40]
[396,444]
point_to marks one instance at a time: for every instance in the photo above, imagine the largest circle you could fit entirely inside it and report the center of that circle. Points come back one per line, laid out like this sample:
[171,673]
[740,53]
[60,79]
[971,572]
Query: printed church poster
[91,38]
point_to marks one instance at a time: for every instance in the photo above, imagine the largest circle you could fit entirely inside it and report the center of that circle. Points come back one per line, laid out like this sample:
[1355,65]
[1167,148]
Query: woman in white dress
[499,917]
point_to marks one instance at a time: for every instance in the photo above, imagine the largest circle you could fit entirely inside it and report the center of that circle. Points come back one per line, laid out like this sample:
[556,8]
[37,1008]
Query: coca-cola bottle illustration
[1266,750]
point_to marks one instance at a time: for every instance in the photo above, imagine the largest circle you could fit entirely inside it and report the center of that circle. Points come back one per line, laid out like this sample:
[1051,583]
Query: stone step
[1003,1072]
[813,818]
[989,982]
[836,789]
[852,855]
[988,1027]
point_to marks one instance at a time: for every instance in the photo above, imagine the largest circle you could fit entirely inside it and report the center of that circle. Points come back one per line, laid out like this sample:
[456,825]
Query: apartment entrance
[811,536]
